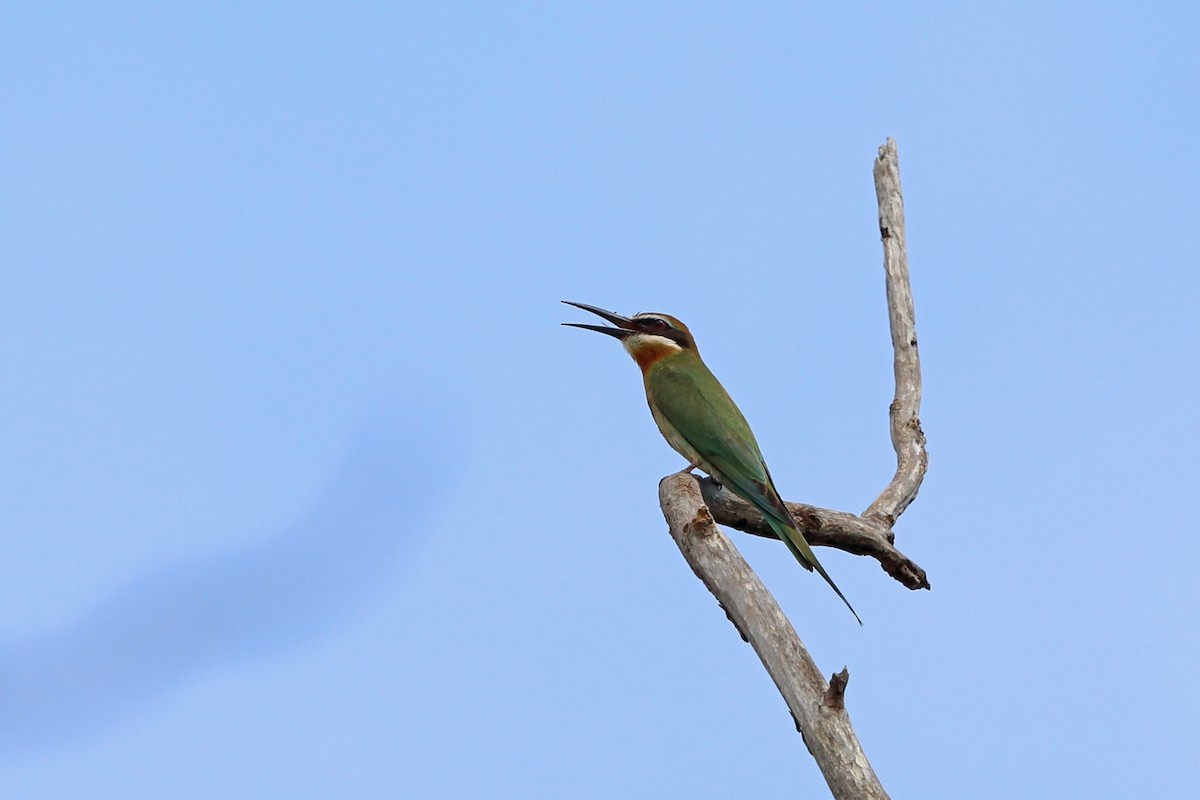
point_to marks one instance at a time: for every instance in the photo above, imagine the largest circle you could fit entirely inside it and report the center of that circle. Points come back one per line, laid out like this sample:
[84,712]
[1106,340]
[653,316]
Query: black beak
[625,326]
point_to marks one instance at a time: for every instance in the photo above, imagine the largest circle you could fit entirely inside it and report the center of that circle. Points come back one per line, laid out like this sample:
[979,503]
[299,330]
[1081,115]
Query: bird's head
[648,337]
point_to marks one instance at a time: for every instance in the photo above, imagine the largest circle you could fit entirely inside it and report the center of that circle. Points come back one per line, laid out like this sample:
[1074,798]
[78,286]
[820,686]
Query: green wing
[693,401]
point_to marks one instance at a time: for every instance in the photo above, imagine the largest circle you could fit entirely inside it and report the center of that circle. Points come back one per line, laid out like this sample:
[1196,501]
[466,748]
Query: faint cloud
[164,626]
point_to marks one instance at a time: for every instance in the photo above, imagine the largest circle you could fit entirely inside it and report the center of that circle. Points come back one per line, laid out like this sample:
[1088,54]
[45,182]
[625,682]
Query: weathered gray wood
[908,439]
[821,719]
[693,506]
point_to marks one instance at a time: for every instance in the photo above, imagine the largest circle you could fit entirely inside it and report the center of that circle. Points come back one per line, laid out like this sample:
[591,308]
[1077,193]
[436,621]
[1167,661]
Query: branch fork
[693,506]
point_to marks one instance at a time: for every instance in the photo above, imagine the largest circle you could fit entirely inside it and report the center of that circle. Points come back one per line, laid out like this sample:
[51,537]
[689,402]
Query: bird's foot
[688,471]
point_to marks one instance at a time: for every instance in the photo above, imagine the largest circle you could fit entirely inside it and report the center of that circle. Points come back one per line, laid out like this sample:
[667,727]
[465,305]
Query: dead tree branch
[816,707]
[820,526]
[907,437]
[692,506]
[868,534]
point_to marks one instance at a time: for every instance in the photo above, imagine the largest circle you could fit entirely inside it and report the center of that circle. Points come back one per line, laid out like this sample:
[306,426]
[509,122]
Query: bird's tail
[795,542]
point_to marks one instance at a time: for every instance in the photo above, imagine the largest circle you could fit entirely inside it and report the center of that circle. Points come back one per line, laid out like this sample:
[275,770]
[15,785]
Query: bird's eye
[658,323]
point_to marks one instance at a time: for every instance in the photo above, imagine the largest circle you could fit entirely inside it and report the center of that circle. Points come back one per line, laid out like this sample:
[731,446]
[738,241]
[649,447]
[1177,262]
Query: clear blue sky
[305,494]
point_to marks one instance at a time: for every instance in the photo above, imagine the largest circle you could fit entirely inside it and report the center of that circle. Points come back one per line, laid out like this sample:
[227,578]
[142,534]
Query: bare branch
[818,707]
[907,437]
[820,526]
[870,534]
[820,717]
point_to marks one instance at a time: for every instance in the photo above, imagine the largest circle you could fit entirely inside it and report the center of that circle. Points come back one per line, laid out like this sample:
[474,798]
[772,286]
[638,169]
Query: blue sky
[305,494]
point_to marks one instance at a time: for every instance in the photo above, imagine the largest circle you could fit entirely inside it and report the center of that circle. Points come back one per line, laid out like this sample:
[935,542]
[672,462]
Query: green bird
[700,421]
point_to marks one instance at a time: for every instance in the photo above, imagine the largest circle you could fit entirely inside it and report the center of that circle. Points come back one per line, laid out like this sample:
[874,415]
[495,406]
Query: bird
[701,422]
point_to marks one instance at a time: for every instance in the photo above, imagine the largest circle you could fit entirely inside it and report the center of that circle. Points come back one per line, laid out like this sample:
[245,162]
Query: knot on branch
[835,695]
[702,523]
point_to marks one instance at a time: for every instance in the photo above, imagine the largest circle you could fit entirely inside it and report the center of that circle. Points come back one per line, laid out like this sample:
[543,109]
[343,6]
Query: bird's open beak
[625,326]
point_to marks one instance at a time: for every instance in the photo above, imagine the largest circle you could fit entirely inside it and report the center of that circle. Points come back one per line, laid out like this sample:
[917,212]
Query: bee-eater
[699,420]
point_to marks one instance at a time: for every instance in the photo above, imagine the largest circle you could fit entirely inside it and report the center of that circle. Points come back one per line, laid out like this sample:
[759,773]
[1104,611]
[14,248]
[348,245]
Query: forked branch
[692,506]
[869,534]
[861,536]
